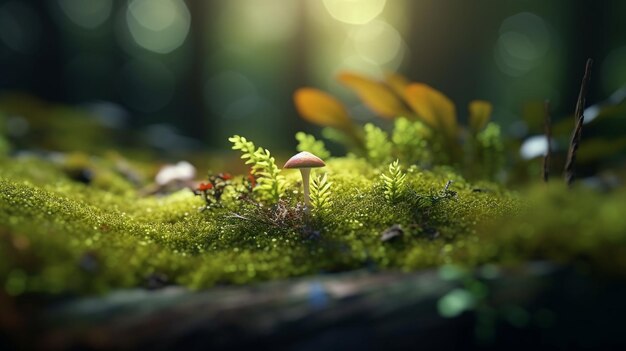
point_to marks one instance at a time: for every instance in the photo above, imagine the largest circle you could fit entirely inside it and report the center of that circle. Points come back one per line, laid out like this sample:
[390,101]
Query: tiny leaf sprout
[393,181]
[320,194]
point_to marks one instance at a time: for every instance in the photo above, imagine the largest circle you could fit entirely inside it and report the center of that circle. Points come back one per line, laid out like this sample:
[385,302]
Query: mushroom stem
[305,184]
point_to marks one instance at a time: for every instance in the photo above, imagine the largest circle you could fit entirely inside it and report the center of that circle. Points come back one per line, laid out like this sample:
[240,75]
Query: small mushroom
[304,161]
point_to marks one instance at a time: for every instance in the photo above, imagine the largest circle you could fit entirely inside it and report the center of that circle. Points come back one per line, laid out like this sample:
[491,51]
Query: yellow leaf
[397,83]
[375,95]
[321,108]
[479,114]
[433,107]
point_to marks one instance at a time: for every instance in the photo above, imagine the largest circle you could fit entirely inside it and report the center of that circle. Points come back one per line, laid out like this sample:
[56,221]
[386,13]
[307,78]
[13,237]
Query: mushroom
[304,161]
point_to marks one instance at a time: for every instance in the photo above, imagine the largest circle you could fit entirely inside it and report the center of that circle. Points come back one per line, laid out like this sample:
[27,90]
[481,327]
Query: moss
[578,226]
[60,235]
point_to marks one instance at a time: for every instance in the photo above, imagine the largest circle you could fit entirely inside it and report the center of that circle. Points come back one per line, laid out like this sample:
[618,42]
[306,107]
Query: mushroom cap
[304,160]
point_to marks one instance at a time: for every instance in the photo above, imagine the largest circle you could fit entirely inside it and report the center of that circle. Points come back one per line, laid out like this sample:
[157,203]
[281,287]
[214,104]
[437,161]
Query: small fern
[246,147]
[271,185]
[307,142]
[320,193]
[377,144]
[393,182]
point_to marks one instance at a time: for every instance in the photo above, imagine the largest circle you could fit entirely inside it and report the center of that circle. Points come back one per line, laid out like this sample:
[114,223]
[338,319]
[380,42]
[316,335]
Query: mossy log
[540,305]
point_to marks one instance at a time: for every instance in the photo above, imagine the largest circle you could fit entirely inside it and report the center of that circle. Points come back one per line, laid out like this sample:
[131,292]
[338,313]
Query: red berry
[205,186]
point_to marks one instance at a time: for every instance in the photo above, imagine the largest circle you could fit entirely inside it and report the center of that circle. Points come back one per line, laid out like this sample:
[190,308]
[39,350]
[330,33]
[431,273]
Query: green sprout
[320,193]
[393,182]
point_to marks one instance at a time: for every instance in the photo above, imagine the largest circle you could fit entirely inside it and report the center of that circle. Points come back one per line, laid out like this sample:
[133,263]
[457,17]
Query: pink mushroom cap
[304,160]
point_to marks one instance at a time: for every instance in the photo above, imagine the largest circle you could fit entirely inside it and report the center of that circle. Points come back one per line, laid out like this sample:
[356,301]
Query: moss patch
[61,235]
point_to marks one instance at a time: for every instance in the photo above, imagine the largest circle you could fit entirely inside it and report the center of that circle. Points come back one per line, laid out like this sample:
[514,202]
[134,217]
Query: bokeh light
[354,11]
[248,55]
[372,45]
[535,146]
[524,40]
[158,25]
[263,21]
[378,42]
[87,14]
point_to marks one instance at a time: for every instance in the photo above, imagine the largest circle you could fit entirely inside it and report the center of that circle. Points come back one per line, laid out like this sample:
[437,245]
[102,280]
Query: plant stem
[305,184]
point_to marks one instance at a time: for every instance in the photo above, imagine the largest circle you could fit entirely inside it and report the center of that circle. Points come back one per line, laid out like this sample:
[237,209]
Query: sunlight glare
[354,11]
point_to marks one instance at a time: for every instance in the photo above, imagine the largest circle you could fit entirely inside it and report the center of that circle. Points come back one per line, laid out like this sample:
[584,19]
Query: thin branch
[580,119]
[548,130]
[237,215]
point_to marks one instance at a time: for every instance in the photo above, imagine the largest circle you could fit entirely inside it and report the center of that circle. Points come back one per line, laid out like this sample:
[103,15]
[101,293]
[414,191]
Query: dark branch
[580,119]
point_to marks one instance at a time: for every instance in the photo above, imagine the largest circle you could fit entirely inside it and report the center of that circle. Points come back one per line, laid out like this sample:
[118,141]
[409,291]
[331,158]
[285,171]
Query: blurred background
[186,74]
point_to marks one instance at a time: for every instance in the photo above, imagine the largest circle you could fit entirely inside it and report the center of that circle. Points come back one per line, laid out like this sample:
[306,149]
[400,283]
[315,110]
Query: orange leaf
[321,108]
[479,114]
[433,107]
[375,95]
[397,83]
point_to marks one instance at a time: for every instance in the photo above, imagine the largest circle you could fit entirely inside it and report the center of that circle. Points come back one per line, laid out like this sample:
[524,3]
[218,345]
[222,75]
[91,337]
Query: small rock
[82,175]
[183,171]
[391,233]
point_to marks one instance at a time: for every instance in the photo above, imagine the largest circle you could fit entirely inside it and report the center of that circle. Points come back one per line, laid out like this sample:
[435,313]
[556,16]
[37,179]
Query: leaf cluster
[427,131]
[377,145]
[271,184]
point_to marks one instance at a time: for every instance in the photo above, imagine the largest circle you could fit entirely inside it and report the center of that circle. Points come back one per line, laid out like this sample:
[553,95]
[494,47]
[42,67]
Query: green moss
[60,235]
[579,226]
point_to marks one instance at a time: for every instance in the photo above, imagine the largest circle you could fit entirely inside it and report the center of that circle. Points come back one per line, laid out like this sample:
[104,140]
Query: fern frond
[320,193]
[246,147]
[393,181]
[271,185]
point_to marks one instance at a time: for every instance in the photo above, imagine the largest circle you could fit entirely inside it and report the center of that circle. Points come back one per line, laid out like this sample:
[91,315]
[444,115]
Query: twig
[580,119]
[236,215]
[548,130]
